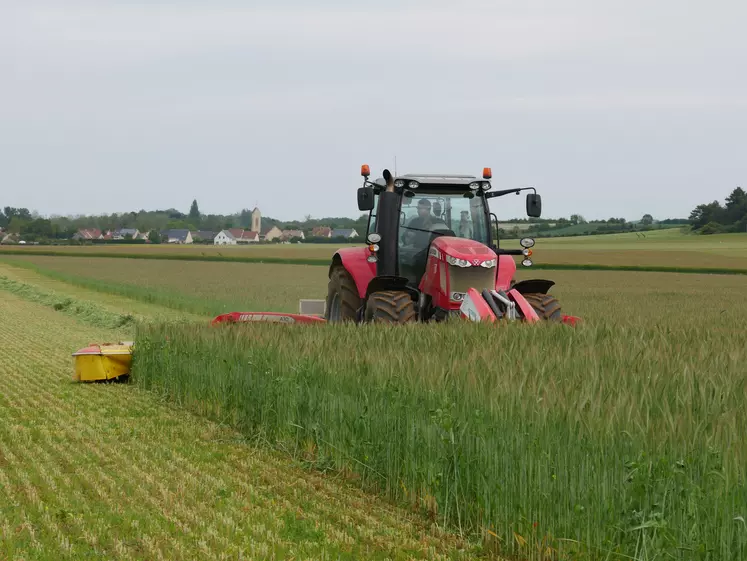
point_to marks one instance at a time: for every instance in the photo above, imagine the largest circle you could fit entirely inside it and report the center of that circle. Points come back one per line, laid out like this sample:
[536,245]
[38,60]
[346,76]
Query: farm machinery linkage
[429,256]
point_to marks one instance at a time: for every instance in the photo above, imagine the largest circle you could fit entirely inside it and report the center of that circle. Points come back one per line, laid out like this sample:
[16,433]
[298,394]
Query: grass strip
[603,442]
[326,262]
[148,295]
[87,312]
[167,297]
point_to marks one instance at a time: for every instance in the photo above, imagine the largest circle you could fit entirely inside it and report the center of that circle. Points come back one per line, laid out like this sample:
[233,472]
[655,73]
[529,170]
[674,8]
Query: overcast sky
[607,108]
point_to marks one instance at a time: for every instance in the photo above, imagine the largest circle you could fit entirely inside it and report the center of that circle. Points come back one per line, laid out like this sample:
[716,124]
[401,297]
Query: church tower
[256,220]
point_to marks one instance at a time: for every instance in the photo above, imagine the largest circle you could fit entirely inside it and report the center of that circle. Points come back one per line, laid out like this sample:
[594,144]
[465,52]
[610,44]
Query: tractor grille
[464,278]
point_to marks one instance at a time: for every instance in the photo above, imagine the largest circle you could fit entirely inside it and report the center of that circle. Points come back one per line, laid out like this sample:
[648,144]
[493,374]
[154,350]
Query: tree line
[715,218]
[707,218]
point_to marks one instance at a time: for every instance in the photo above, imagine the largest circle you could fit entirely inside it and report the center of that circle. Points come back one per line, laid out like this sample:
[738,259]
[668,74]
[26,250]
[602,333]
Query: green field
[664,248]
[624,438]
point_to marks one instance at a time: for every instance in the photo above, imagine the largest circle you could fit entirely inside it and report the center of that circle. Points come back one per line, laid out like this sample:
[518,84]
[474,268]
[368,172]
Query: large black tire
[342,297]
[391,306]
[546,306]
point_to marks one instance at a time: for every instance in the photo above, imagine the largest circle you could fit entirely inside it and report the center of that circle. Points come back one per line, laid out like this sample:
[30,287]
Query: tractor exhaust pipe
[387,226]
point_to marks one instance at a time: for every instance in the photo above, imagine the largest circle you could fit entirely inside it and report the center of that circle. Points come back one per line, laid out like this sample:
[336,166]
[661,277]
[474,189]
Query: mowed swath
[209,288]
[111,302]
[109,472]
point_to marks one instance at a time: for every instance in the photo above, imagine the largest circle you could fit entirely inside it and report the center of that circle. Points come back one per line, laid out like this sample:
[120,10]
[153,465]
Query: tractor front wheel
[342,296]
[390,306]
[546,306]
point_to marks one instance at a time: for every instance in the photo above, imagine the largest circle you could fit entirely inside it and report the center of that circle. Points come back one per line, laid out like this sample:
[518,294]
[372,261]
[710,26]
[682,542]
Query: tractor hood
[468,253]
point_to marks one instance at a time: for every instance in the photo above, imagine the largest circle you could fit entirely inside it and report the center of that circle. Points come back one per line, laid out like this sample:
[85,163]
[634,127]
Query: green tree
[577,219]
[16,225]
[194,212]
[736,206]
[245,218]
[647,220]
[705,214]
[154,236]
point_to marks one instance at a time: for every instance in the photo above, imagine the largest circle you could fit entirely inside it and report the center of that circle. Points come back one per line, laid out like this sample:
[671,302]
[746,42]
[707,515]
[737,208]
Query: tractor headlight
[527,252]
[475,185]
[526,242]
[372,258]
[527,262]
[486,185]
[457,262]
[399,184]
[413,185]
[489,264]
[373,238]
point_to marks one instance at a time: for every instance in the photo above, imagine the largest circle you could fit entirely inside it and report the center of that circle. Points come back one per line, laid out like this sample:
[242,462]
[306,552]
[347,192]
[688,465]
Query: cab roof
[438,179]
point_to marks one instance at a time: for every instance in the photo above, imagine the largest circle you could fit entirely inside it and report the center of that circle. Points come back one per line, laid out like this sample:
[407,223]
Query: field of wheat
[612,441]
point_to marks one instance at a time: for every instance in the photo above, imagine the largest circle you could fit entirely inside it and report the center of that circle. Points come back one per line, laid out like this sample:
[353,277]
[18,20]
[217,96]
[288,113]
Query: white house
[224,237]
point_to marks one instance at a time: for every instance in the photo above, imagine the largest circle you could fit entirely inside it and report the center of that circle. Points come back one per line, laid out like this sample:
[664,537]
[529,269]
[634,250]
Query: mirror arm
[493,194]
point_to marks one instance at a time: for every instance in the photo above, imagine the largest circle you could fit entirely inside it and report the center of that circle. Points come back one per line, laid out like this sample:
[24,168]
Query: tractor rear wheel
[546,306]
[391,306]
[342,296]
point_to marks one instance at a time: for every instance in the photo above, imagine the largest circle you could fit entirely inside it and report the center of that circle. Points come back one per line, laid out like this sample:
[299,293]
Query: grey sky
[608,108]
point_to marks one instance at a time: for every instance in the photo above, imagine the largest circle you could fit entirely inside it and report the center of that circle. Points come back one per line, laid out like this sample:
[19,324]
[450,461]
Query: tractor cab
[438,210]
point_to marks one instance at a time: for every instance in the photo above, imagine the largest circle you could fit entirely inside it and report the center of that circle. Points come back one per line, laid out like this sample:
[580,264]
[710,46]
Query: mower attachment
[105,361]
[267,317]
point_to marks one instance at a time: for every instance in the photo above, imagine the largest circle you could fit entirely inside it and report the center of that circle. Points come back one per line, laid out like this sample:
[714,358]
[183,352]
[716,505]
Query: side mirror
[365,198]
[534,205]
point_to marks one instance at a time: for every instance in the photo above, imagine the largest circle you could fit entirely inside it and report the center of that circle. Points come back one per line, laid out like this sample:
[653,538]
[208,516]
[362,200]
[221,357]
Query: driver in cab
[418,230]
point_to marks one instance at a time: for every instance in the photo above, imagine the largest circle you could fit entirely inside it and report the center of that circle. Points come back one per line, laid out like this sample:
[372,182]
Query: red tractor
[430,255]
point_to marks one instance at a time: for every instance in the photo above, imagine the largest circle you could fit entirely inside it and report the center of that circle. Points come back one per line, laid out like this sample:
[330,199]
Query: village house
[202,236]
[88,234]
[177,236]
[123,233]
[244,236]
[272,234]
[224,237]
[9,239]
[322,232]
[290,234]
[344,233]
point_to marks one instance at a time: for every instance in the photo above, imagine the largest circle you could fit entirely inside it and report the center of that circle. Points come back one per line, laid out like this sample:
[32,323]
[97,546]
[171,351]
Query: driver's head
[424,208]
